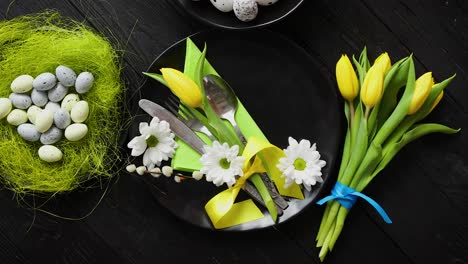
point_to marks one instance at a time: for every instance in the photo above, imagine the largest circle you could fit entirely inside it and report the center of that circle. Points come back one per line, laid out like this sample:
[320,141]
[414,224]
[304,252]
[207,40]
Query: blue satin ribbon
[347,197]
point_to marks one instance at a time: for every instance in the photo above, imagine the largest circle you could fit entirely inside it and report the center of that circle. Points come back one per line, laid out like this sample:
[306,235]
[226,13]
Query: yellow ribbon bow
[222,209]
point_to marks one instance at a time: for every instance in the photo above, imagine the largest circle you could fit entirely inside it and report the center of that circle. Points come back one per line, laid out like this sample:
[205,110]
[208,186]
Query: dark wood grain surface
[425,189]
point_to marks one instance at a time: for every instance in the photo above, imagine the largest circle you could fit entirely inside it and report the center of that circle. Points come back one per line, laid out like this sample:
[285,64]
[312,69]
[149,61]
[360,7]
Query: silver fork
[186,116]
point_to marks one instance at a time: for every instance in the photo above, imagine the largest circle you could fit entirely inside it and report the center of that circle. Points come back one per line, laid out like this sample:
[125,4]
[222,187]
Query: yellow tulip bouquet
[380,123]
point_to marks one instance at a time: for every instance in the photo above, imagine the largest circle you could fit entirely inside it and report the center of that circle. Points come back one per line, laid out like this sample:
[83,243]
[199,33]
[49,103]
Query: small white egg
[222,5]
[5,107]
[245,10]
[22,84]
[32,113]
[44,120]
[80,112]
[76,132]
[49,153]
[70,101]
[266,2]
[17,117]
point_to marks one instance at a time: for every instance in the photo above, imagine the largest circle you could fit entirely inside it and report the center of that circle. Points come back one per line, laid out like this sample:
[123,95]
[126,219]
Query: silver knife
[183,132]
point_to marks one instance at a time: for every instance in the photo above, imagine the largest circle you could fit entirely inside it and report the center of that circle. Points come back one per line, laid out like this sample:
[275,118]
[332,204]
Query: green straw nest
[39,43]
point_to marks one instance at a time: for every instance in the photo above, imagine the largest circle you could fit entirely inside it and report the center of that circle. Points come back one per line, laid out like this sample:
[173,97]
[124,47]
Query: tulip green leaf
[157,77]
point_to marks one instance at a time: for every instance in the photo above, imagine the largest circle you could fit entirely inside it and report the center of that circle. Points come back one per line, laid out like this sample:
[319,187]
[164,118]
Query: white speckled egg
[39,98]
[44,81]
[51,136]
[57,93]
[21,101]
[17,117]
[70,101]
[84,82]
[5,107]
[65,75]
[44,120]
[49,153]
[80,112]
[245,10]
[75,132]
[32,113]
[52,106]
[222,5]
[266,2]
[22,84]
[62,118]
[28,132]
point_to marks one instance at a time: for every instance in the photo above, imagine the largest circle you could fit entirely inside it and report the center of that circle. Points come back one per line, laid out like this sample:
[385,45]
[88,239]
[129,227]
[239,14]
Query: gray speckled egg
[39,98]
[84,82]
[266,2]
[65,75]
[52,106]
[51,136]
[21,101]
[245,10]
[62,118]
[22,84]
[57,93]
[70,101]
[44,81]
[49,153]
[32,113]
[28,132]
[17,117]
[222,5]
[5,107]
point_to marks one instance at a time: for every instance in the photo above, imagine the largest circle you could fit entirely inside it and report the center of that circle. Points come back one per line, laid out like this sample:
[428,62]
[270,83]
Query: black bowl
[206,12]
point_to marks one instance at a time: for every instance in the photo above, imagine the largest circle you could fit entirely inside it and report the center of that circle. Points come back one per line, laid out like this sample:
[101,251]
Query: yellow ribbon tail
[223,212]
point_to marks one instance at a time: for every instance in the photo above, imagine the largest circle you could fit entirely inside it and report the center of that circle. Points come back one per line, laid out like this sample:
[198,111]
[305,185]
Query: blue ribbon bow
[347,197]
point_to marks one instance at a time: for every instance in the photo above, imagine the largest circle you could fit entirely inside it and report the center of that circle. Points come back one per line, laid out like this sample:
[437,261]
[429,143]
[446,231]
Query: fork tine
[172,107]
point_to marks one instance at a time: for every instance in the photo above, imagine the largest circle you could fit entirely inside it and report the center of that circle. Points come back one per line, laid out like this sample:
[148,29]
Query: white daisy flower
[302,164]
[221,164]
[156,142]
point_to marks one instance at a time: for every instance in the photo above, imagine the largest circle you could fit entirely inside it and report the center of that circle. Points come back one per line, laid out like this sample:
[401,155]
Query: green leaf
[368,164]
[391,150]
[401,109]
[266,197]
[360,70]
[347,145]
[157,77]
[364,61]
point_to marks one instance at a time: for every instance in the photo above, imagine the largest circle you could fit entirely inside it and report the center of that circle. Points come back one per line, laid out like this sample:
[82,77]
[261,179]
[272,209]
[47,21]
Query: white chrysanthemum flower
[302,164]
[156,142]
[221,164]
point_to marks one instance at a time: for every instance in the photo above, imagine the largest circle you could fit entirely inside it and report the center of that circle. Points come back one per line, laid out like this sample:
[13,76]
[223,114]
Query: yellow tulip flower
[422,90]
[346,78]
[437,100]
[384,61]
[183,87]
[372,87]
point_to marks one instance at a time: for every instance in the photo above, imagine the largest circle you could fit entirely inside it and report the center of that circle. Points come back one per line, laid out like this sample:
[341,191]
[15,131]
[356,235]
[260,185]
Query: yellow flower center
[224,163]
[300,164]
[152,141]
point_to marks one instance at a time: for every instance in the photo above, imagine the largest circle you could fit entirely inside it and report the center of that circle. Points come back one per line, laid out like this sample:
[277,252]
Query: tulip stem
[366,115]
[351,113]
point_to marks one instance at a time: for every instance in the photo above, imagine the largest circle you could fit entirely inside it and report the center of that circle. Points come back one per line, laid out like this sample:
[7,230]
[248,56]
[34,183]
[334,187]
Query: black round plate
[206,12]
[282,87]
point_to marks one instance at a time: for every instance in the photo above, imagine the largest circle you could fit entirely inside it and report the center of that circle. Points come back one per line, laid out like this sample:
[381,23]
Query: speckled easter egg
[44,120]
[51,136]
[22,84]
[32,113]
[17,117]
[28,132]
[80,112]
[222,5]
[52,106]
[49,153]
[76,132]
[62,118]
[70,101]
[65,75]
[245,10]
[5,107]
[84,82]
[57,93]
[44,81]
[266,2]
[39,98]
[21,101]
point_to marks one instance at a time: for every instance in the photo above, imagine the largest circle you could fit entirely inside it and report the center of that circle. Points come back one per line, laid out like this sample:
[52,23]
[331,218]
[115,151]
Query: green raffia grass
[39,43]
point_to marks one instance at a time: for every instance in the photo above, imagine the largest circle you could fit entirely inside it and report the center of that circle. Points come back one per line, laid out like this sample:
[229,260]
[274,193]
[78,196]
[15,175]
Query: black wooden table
[425,189]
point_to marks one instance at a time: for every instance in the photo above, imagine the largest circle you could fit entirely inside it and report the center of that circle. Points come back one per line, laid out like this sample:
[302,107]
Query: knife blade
[180,129]
[183,132]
